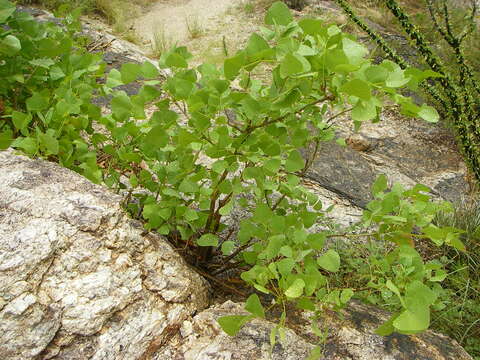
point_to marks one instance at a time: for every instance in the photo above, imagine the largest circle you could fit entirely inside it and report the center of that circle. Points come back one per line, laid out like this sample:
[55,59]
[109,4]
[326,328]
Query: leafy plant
[221,140]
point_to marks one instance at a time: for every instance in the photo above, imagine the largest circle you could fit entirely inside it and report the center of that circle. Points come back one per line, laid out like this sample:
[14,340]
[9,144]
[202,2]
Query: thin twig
[213,278]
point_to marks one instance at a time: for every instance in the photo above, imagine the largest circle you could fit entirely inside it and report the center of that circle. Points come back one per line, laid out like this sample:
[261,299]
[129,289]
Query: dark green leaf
[6,9]
[21,120]
[37,102]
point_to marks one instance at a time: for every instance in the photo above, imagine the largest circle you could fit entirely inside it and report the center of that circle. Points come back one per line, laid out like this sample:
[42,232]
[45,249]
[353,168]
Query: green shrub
[220,140]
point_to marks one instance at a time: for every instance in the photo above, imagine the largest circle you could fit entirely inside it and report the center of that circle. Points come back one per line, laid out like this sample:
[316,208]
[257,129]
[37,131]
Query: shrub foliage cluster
[221,139]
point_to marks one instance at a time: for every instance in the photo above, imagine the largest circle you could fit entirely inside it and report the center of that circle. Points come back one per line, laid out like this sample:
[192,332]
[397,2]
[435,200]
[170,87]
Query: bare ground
[205,27]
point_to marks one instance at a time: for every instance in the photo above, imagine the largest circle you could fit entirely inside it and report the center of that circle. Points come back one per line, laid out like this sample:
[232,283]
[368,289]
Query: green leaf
[256,44]
[37,102]
[428,113]
[364,111]
[45,63]
[6,139]
[190,215]
[219,166]
[387,327]
[28,144]
[232,66]
[376,74]
[21,120]
[176,60]
[188,186]
[56,73]
[129,72]
[311,26]
[413,321]
[346,295]
[316,240]
[418,295]
[275,243]
[6,9]
[397,78]
[226,209]
[121,106]
[272,165]
[294,162]
[233,323]
[285,266]
[254,306]
[329,261]
[50,143]
[296,289]
[262,213]
[227,247]
[149,71]
[293,64]
[358,88]
[208,240]
[353,50]
[10,45]
[114,78]
[156,138]
[278,14]
[380,185]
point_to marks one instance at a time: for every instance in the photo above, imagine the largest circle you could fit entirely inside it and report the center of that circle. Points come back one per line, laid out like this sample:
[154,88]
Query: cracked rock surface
[350,338]
[78,279]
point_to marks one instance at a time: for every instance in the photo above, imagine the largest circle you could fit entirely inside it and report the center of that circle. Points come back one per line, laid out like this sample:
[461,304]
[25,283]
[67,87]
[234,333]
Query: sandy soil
[216,20]
[173,15]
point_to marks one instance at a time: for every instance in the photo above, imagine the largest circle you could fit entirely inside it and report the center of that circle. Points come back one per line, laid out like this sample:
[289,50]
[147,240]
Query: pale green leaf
[278,14]
[296,289]
[208,240]
[329,261]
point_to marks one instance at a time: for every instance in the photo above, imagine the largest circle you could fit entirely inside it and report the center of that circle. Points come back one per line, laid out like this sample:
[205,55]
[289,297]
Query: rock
[350,338]
[359,142]
[78,278]
[203,339]
[408,151]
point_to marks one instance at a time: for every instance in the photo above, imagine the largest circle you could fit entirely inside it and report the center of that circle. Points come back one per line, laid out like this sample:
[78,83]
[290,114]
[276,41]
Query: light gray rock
[78,278]
[202,339]
[349,338]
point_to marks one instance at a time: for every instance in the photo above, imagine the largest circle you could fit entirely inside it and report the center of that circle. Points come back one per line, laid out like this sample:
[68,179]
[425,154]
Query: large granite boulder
[350,338]
[78,278]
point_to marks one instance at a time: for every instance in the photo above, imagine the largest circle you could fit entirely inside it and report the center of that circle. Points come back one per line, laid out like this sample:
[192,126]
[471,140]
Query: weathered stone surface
[77,277]
[203,339]
[409,151]
[350,338]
